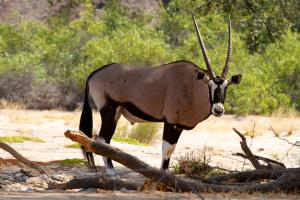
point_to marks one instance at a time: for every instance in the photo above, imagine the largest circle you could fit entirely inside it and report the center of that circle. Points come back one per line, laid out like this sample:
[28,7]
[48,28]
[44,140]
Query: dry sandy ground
[214,136]
[141,196]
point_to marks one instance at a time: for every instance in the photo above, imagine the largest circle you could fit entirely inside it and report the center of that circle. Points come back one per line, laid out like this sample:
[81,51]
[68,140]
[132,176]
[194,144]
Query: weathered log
[129,161]
[21,158]
[253,175]
[100,182]
[287,183]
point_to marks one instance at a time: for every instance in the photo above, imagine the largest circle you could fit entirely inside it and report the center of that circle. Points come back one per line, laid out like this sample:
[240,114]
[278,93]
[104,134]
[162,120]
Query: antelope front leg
[171,135]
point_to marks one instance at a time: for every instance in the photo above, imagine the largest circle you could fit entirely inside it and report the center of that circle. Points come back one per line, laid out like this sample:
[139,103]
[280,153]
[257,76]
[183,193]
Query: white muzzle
[218,109]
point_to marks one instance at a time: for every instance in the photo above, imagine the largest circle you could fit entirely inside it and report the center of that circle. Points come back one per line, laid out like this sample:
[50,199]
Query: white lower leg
[101,139]
[167,150]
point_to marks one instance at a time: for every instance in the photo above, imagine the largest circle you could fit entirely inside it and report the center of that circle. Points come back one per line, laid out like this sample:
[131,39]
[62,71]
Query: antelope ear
[200,75]
[235,79]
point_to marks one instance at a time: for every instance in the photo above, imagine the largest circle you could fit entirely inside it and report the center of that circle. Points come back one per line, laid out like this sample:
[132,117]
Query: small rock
[44,177]
[29,190]
[37,182]
[59,177]
[111,173]
[89,190]
[16,187]
[21,177]
[124,190]
[11,169]
[7,182]
[55,191]
[36,189]
[6,177]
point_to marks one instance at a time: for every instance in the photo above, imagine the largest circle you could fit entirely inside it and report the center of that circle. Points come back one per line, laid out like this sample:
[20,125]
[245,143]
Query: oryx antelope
[179,94]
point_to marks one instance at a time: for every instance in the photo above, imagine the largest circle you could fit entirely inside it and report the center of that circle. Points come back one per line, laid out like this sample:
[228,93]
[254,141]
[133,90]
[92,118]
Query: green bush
[144,132]
[57,57]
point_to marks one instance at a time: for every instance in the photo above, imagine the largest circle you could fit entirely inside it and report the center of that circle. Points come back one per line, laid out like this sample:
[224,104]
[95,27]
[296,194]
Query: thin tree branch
[21,158]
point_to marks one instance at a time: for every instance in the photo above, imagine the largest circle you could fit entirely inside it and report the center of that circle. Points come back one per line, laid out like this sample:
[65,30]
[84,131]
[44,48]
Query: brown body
[166,93]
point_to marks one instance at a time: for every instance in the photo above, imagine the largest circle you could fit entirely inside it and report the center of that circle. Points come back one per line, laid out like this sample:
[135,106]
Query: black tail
[86,119]
[86,125]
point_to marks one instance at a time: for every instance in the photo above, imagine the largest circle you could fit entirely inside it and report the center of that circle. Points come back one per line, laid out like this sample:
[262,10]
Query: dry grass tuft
[193,164]
[4,104]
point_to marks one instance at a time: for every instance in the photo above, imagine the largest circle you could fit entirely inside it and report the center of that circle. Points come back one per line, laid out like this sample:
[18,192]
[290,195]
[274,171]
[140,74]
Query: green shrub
[127,140]
[144,132]
[72,162]
[45,65]
[73,145]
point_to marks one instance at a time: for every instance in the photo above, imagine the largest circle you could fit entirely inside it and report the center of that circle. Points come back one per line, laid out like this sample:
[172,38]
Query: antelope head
[217,84]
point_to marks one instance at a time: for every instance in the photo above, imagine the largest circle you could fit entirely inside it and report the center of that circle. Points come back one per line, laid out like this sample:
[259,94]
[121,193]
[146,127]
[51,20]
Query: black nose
[219,110]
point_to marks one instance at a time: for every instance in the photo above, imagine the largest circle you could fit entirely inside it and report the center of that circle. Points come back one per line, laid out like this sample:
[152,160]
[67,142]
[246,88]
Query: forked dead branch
[264,179]
[254,159]
[21,158]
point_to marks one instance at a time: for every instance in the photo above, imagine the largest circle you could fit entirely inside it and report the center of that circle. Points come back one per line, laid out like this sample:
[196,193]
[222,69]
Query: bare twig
[271,164]
[21,158]
[296,143]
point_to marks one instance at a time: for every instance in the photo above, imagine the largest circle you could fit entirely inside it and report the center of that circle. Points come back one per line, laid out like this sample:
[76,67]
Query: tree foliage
[266,47]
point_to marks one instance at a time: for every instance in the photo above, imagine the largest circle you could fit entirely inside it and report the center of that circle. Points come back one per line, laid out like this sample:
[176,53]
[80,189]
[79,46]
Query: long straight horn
[227,63]
[206,59]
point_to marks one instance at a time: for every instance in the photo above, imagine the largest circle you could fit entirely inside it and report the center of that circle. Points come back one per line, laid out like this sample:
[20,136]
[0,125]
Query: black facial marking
[218,94]
[219,81]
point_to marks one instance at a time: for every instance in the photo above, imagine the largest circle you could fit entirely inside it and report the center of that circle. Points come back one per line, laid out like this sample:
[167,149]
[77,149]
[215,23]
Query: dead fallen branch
[254,175]
[254,159]
[96,182]
[271,164]
[21,158]
[129,161]
[287,182]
